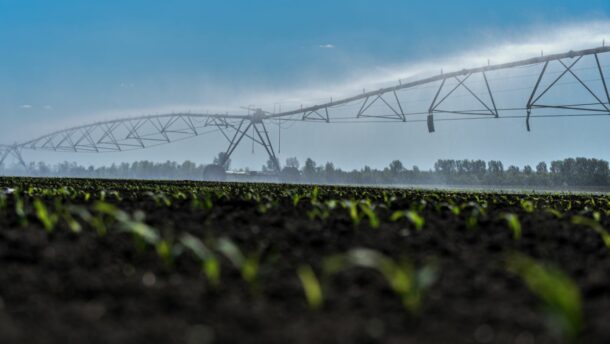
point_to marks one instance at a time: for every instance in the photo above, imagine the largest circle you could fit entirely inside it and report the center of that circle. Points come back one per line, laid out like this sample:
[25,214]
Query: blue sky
[67,62]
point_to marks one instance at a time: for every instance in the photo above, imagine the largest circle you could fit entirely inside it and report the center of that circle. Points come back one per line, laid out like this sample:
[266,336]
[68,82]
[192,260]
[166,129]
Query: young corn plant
[527,206]
[455,210]
[22,218]
[73,225]
[559,294]
[595,225]
[406,282]
[247,265]
[318,211]
[354,214]
[142,234]
[209,262]
[198,203]
[513,223]
[556,213]
[387,199]
[416,220]
[311,287]
[46,218]
[315,192]
[358,210]
[97,223]
[159,198]
[296,198]
[367,210]
[476,210]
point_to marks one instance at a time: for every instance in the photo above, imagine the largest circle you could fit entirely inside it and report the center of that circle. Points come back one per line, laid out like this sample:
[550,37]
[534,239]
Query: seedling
[353,212]
[197,203]
[311,287]
[47,219]
[159,198]
[167,251]
[85,215]
[314,194]
[296,198]
[554,212]
[455,210]
[264,207]
[559,294]
[388,200]
[513,223]
[248,266]
[367,210]
[74,226]
[413,217]
[595,225]
[141,232]
[209,263]
[528,206]
[20,211]
[409,284]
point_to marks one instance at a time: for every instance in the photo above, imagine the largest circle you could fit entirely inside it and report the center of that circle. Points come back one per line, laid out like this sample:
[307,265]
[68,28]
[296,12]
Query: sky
[66,63]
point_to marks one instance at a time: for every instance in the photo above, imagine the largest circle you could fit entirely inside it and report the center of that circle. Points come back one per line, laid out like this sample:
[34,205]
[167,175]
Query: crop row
[76,206]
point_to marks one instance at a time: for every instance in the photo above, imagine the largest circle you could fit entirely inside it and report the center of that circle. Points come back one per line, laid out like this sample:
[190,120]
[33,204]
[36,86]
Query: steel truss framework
[146,131]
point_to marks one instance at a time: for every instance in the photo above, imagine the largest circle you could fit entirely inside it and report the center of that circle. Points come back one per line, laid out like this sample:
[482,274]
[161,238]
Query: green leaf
[368,211]
[142,230]
[231,251]
[404,280]
[514,225]
[47,219]
[596,226]
[555,289]
[311,287]
[411,215]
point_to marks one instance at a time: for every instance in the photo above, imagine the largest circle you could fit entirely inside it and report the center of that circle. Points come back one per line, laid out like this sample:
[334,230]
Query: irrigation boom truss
[146,131]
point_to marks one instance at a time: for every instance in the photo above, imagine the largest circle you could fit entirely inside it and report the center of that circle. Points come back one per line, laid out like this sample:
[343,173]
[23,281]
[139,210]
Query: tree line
[560,173]
[579,172]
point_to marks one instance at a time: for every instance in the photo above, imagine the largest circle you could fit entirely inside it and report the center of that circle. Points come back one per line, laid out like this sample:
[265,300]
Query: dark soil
[67,288]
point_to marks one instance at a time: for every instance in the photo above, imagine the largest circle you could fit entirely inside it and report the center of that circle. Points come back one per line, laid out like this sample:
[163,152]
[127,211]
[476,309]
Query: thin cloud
[327,46]
[26,106]
[528,44]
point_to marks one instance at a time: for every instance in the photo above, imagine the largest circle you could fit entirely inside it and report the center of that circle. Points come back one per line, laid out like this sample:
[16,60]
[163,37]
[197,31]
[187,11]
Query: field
[189,262]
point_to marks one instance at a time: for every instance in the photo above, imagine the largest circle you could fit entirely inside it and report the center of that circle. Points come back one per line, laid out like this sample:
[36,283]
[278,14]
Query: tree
[556,166]
[512,169]
[291,173]
[527,169]
[329,172]
[309,170]
[272,165]
[479,168]
[43,169]
[396,167]
[495,167]
[445,167]
[541,168]
[293,162]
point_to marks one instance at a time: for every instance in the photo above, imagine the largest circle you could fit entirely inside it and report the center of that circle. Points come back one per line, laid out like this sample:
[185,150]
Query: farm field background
[192,262]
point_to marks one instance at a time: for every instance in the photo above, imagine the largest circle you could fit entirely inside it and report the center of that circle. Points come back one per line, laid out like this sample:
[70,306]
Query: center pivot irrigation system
[383,105]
